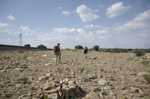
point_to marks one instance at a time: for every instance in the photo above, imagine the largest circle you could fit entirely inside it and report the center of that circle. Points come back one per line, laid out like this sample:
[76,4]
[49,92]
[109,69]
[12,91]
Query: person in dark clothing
[85,51]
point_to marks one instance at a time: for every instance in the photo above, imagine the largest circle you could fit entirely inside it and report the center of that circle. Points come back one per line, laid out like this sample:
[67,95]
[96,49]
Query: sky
[107,23]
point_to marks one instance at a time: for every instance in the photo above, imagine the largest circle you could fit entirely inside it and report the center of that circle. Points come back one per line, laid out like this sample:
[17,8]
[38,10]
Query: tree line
[138,52]
[41,46]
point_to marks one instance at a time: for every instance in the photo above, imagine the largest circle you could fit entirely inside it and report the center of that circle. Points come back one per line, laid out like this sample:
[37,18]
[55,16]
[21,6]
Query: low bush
[27,45]
[96,48]
[139,52]
[41,46]
[78,47]
[145,63]
[147,78]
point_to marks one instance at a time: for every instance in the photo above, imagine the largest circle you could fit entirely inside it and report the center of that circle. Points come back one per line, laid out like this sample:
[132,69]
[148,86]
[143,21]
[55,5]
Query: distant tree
[139,52]
[96,47]
[41,46]
[78,47]
[27,45]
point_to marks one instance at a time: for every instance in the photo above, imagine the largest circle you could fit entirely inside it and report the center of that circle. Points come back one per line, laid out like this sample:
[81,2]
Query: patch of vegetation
[60,70]
[130,59]
[68,49]
[101,69]
[81,69]
[5,57]
[41,46]
[78,47]
[139,52]
[145,63]
[142,81]
[21,51]
[16,66]
[24,80]
[8,95]
[27,45]
[147,78]
[111,78]
[43,96]
[67,95]
[96,48]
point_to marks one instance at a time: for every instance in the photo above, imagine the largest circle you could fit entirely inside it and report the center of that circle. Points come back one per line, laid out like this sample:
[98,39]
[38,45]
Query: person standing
[57,53]
[85,51]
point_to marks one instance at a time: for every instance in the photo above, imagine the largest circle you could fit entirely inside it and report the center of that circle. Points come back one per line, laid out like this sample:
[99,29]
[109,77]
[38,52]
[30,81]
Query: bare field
[26,74]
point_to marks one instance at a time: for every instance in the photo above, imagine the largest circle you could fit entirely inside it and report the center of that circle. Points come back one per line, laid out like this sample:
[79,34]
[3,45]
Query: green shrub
[24,80]
[147,78]
[8,95]
[20,51]
[96,48]
[81,69]
[44,96]
[78,47]
[41,46]
[139,52]
[145,63]
[67,95]
[27,45]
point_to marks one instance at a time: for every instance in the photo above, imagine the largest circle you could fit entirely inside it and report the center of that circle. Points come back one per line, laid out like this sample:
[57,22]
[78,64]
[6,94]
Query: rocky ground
[35,75]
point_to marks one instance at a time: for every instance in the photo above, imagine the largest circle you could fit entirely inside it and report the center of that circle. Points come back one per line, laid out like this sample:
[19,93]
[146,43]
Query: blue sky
[107,23]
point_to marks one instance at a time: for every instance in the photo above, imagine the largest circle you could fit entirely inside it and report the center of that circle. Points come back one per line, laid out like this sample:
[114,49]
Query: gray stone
[44,55]
[23,97]
[102,82]
[85,71]
[49,74]
[92,95]
[95,57]
[43,78]
[18,86]
[17,69]
[29,58]
[136,90]
[71,83]
[143,73]
[48,64]
[47,86]
[107,88]
[53,96]
[3,71]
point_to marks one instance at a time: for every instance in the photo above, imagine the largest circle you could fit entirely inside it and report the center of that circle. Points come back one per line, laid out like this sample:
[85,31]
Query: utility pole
[20,39]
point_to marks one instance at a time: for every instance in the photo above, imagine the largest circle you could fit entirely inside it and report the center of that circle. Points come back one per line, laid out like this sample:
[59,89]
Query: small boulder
[92,95]
[136,90]
[102,82]
[43,78]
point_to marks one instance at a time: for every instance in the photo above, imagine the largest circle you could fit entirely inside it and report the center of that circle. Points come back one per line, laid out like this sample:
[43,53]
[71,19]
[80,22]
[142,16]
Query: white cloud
[11,17]
[3,25]
[86,14]
[96,10]
[101,6]
[117,9]
[83,36]
[144,35]
[28,31]
[105,36]
[65,12]
[92,26]
[101,32]
[141,22]
[64,30]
